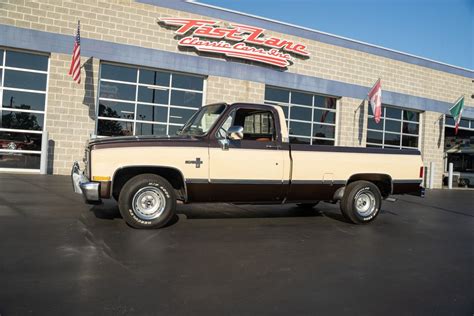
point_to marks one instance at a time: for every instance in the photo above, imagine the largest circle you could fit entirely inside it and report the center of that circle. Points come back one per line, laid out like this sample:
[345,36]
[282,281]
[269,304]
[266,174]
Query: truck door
[250,169]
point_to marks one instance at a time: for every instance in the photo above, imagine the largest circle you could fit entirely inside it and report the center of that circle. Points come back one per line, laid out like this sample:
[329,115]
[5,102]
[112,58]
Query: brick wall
[128,22]
[432,143]
[221,89]
[70,112]
[352,122]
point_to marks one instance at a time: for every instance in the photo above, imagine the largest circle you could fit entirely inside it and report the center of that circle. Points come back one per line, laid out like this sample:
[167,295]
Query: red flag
[75,69]
[375,100]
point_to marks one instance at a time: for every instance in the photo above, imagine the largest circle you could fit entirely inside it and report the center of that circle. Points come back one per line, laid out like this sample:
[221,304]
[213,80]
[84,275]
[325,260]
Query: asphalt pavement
[59,256]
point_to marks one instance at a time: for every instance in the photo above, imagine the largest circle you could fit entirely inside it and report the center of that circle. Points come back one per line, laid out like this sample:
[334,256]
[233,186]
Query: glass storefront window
[459,147]
[139,101]
[311,118]
[398,128]
[23,80]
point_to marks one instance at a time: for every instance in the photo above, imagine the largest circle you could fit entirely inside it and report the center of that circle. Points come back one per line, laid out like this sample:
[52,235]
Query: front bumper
[81,184]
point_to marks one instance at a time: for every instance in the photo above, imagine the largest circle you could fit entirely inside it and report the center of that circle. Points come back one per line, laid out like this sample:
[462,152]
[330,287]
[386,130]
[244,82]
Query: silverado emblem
[196,162]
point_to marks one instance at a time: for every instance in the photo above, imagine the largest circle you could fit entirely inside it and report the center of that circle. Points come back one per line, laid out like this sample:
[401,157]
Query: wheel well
[173,176]
[382,181]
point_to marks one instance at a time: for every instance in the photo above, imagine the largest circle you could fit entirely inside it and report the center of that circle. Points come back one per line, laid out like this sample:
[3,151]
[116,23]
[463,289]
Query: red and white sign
[233,40]
[375,100]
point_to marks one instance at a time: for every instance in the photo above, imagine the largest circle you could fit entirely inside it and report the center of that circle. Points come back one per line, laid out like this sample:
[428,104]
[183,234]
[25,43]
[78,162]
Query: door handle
[273,146]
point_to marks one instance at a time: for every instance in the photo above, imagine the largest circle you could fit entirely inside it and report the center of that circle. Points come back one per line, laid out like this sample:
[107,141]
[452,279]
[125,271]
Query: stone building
[148,65]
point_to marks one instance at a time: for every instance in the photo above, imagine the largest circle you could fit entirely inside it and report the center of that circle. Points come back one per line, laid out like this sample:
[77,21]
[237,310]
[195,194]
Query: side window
[258,125]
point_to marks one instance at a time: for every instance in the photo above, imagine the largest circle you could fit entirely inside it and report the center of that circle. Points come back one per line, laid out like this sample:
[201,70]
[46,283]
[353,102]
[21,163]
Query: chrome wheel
[365,203]
[148,203]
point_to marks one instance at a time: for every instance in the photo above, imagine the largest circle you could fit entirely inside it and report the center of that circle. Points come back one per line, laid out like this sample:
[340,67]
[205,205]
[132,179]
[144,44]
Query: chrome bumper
[81,185]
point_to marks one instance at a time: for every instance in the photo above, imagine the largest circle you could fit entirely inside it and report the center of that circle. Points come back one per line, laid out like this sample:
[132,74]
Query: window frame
[401,120]
[44,112]
[136,102]
[312,107]
[471,123]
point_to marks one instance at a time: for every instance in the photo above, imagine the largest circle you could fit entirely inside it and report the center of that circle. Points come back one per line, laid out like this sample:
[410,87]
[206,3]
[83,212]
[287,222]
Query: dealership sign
[236,40]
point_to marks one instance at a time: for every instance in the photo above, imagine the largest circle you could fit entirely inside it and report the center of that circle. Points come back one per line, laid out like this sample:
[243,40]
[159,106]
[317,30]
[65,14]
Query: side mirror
[235,132]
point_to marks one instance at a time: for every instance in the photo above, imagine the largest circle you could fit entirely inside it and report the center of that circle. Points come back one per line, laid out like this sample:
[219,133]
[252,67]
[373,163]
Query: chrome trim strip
[399,181]
[245,181]
[196,181]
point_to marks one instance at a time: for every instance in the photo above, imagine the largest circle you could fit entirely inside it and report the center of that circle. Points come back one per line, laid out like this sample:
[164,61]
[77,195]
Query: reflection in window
[16,59]
[152,113]
[398,128]
[117,91]
[19,160]
[25,80]
[21,120]
[116,109]
[23,100]
[147,98]
[114,128]
[20,141]
[150,129]
[311,118]
[119,73]
[22,108]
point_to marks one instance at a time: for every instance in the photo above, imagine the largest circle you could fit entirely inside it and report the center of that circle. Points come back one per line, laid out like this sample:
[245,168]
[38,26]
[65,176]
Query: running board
[391,199]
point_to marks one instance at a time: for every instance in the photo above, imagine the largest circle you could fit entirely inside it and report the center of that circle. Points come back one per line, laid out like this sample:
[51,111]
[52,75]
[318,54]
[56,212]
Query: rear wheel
[147,201]
[361,202]
[307,205]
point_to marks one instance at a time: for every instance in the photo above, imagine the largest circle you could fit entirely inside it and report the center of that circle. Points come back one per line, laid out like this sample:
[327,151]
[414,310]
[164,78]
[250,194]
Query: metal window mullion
[21,151]
[3,79]
[44,72]
[27,90]
[401,130]
[204,91]
[136,103]
[312,119]
[114,119]
[20,130]
[119,81]
[302,136]
[166,88]
[169,104]
[25,111]
[151,122]
[117,100]
[383,128]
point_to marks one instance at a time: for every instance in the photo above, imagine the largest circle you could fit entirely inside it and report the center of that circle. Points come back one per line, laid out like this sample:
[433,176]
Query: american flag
[75,69]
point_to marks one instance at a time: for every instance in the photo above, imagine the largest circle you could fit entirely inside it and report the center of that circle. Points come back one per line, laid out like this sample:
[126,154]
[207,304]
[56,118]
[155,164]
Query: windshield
[200,123]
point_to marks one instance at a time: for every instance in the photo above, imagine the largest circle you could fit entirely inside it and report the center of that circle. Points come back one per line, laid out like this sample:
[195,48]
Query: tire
[361,202]
[307,205]
[147,201]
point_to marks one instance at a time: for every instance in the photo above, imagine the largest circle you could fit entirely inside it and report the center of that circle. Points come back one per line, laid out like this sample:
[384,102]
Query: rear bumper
[81,185]
[419,192]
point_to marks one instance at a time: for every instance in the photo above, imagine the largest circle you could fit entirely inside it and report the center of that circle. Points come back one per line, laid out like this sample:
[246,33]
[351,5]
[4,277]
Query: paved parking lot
[59,256]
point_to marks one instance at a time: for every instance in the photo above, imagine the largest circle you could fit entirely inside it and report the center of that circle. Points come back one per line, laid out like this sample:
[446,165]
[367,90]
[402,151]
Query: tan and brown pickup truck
[240,153]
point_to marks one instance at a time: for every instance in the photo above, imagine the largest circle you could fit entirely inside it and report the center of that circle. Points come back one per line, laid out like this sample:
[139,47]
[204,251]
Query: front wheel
[361,202]
[147,201]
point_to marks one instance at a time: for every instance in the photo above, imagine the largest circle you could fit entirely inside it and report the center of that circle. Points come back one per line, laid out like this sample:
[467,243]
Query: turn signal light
[100,178]
[422,170]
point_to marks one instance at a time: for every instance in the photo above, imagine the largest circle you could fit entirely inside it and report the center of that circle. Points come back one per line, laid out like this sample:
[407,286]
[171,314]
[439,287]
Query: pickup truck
[240,153]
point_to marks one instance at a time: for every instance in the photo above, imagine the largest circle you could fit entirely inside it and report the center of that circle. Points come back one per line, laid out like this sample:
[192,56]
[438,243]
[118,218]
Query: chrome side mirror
[235,132]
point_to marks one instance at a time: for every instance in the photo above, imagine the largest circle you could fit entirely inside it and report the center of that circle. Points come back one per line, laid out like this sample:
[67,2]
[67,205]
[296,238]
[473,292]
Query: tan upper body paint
[256,164]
